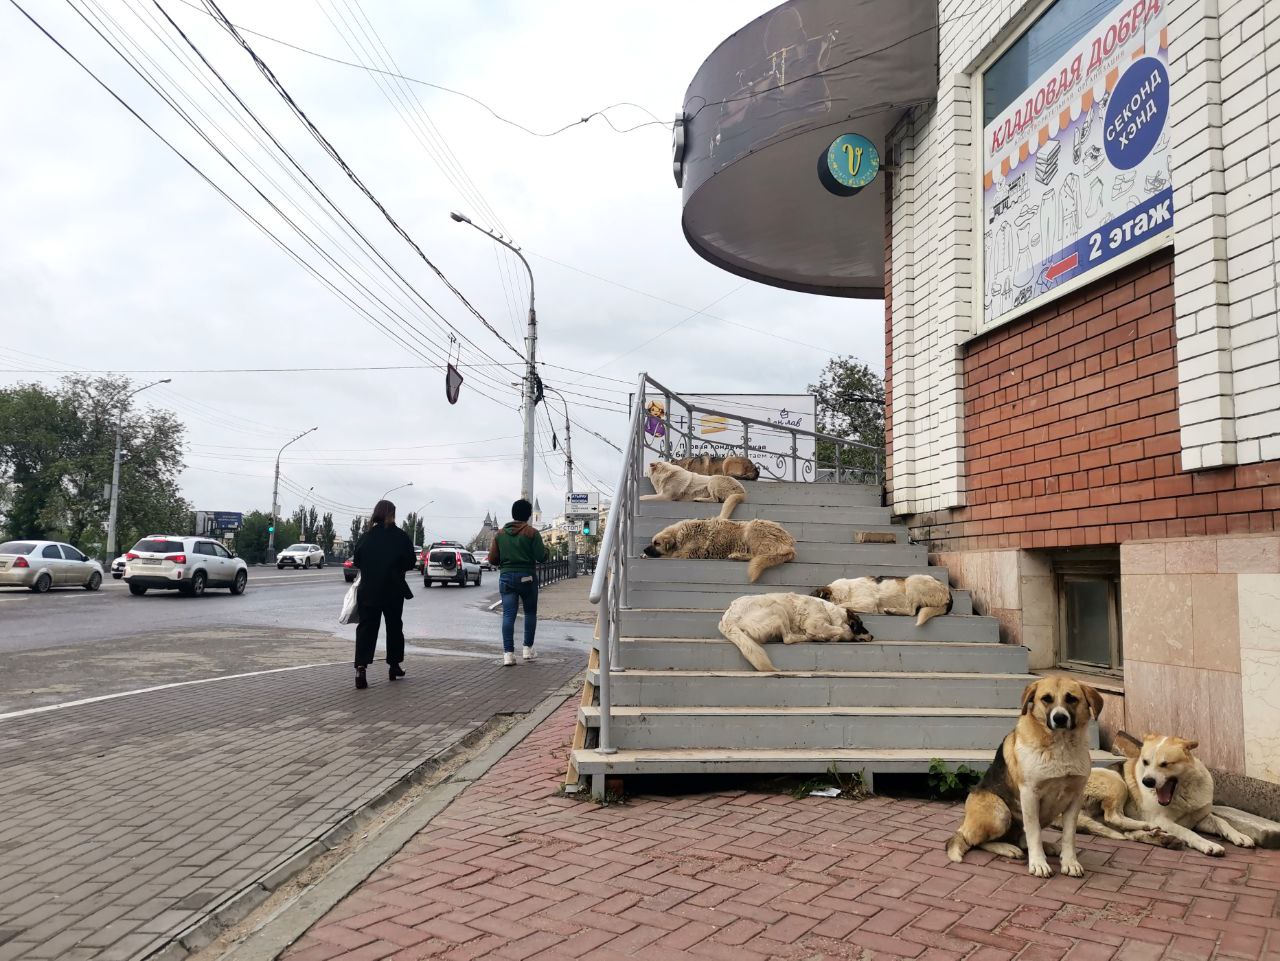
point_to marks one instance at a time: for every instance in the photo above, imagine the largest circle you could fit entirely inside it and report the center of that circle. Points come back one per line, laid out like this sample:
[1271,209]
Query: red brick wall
[1071,431]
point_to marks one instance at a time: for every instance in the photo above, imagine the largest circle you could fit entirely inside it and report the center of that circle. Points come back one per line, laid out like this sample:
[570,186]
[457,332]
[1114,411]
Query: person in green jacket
[516,551]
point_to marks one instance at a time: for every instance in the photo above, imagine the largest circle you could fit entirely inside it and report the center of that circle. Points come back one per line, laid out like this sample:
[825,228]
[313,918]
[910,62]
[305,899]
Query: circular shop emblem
[850,163]
[1136,113]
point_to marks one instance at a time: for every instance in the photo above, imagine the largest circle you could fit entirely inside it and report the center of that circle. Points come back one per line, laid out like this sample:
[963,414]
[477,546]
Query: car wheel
[279,567]
[306,564]
[240,583]
[196,588]
[320,566]
[95,581]
[42,584]
[117,576]
[462,578]
[137,590]
[478,579]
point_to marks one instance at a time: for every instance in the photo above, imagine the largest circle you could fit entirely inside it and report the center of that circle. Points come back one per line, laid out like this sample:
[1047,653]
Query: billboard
[1077,169]
[206,522]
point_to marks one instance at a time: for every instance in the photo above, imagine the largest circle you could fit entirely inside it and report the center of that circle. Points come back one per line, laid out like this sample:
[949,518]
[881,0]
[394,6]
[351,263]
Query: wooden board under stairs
[572,777]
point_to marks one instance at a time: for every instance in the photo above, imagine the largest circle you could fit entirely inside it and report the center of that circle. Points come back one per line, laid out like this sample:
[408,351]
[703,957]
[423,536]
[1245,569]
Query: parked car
[349,570]
[117,567]
[42,565]
[451,565]
[300,555]
[419,559]
[185,564]
[483,558]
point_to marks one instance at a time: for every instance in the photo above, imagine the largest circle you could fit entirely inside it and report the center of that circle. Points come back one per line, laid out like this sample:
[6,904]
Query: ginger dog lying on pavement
[790,618]
[674,483]
[1165,793]
[741,467]
[1038,774]
[763,543]
[919,594]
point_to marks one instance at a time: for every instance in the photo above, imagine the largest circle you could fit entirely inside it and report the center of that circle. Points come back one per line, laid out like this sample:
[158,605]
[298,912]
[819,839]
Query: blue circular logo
[852,161]
[1136,113]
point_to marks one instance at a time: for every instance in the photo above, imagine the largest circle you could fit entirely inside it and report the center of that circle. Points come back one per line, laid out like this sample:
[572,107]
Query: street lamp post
[394,489]
[302,527]
[568,477]
[275,495]
[531,375]
[115,470]
[417,519]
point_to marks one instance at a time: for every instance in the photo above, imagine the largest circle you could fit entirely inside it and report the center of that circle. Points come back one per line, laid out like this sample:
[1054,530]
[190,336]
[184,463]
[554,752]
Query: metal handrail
[609,582]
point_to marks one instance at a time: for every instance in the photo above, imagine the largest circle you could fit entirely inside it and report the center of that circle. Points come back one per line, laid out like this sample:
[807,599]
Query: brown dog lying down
[919,594]
[673,483]
[763,543]
[1164,796]
[790,618]
[740,467]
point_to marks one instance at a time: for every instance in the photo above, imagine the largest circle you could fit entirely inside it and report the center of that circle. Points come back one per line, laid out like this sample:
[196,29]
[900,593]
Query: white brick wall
[1225,138]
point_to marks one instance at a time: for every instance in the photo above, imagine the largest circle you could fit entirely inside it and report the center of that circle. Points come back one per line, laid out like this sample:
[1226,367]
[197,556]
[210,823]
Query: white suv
[451,565]
[300,555]
[169,562]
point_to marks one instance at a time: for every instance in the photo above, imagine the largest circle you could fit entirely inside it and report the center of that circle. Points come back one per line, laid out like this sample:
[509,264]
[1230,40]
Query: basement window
[1089,623]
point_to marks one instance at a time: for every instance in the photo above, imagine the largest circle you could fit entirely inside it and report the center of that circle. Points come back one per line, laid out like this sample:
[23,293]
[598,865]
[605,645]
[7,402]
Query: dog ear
[1029,696]
[1189,745]
[1094,699]
[1127,744]
[822,592]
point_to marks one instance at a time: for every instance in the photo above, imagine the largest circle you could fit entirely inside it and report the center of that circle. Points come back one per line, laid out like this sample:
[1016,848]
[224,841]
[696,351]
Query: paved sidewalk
[511,870]
[125,821]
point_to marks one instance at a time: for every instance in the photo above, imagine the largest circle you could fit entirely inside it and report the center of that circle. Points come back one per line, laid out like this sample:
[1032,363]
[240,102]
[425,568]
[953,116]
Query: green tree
[851,405]
[358,526]
[327,534]
[252,538]
[56,451]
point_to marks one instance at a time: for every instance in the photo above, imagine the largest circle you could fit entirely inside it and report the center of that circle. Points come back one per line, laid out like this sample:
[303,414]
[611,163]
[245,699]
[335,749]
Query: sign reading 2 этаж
[1076,170]
[852,161]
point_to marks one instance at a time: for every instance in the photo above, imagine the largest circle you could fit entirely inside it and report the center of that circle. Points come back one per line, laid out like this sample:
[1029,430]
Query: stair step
[712,597]
[811,531]
[949,628]
[633,688]
[802,761]
[793,574]
[791,493]
[786,728]
[783,514]
[716,654]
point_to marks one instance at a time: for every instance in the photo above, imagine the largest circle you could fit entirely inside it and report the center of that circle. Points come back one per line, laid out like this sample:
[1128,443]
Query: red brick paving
[512,871]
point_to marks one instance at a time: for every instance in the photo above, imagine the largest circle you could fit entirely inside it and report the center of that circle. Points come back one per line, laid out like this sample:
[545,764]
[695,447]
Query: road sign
[584,502]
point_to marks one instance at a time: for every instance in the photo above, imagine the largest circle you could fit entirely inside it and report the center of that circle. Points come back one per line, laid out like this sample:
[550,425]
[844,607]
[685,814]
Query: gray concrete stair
[784,515]
[710,654]
[795,574]
[815,532]
[717,597]
[792,494]
[948,628]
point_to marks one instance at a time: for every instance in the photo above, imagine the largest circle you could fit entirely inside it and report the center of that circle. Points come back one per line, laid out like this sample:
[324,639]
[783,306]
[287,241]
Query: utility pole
[568,477]
[275,497]
[530,352]
[115,470]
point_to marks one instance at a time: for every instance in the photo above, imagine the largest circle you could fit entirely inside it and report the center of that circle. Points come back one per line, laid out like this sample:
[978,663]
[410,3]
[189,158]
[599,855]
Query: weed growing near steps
[948,785]
[853,787]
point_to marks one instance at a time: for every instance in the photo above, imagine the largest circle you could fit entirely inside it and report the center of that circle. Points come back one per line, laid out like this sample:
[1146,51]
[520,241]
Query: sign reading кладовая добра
[1076,171]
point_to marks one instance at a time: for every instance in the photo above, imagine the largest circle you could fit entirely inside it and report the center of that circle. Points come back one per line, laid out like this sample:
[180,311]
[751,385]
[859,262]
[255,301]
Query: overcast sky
[114,255]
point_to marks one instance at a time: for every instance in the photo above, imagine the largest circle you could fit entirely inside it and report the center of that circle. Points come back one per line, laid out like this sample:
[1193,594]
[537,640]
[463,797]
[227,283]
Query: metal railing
[805,455]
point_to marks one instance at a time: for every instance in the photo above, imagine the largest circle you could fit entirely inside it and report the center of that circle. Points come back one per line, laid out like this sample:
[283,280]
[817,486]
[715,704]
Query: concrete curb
[268,941]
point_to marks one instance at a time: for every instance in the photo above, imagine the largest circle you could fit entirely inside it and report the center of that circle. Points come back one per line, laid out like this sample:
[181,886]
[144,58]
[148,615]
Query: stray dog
[674,483]
[1165,794]
[763,543]
[740,467]
[921,595]
[790,618]
[1038,774]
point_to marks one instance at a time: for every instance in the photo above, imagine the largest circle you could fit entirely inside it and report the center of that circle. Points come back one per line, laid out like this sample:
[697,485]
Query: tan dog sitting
[1038,775]
[673,483]
[1165,793]
[763,543]
[740,467]
[790,618]
[920,595]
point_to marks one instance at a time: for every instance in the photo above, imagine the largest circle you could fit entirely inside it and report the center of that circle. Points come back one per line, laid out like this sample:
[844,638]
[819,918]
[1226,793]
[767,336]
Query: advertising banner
[1076,170]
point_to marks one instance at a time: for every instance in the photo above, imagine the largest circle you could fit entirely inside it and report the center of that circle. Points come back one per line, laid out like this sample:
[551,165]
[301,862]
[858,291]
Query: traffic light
[586,528]
[271,529]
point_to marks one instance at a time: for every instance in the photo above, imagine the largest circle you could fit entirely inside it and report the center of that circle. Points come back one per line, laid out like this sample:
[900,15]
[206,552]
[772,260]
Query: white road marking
[159,687]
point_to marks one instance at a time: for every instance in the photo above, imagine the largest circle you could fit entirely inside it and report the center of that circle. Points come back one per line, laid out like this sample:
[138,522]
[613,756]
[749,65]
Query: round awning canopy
[759,119]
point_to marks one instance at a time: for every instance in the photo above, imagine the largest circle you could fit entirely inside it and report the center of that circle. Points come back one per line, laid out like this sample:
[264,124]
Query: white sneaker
[529,654]
[508,660]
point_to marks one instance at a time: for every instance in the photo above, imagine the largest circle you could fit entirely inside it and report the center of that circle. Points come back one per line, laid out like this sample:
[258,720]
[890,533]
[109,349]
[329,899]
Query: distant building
[484,539]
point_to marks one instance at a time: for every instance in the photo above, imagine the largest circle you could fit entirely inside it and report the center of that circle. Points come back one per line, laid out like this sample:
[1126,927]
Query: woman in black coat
[383,555]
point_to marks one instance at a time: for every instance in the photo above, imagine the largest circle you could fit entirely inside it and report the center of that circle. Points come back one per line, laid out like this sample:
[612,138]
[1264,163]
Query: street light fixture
[394,489]
[568,477]
[530,350]
[275,494]
[115,469]
[417,519]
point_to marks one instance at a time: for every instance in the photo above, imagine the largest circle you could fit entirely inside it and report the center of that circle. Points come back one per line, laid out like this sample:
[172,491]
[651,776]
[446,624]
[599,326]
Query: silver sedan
[42,565]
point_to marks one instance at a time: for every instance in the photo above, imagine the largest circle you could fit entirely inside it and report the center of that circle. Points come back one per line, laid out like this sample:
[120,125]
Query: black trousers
[371,612]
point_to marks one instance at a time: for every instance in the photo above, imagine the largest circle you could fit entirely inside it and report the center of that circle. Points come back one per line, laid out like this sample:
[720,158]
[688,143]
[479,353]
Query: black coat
[382,556]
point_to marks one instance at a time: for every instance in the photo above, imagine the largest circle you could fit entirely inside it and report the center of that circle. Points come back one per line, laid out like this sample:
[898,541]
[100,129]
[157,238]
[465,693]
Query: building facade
[1076,205]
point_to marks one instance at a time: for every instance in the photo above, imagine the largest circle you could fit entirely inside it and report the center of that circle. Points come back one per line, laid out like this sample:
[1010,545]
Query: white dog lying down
[674,483]
[790,618]
[919,594]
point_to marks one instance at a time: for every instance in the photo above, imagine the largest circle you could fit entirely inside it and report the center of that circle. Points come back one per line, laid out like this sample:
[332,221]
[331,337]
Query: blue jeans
[514,590]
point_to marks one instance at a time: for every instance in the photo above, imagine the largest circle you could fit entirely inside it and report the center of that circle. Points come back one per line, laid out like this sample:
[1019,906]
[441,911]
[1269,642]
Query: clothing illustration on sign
[1003,259]
[1122,183]
[1048,236]
[1082,136]
[1022,265]
[1047,162]
[1069,206]
[1155,183]
[1095,200]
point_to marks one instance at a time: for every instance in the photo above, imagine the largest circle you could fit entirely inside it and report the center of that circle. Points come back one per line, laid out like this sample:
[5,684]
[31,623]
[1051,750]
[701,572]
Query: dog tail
[927,614]
[763,562]
[730,505]
[752,651]
[957,847]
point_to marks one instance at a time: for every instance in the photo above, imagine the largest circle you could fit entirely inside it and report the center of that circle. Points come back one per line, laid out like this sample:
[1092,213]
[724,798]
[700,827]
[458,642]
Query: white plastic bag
[349,613]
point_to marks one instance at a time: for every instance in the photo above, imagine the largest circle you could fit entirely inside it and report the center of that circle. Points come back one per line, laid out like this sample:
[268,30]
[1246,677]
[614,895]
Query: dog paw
[1159,839]
[1071,868]
[1005,850]
[1213,850]
[1241,841]
[1040,868]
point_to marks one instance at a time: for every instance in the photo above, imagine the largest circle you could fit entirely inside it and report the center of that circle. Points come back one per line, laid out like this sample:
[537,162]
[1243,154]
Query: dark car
[349,570]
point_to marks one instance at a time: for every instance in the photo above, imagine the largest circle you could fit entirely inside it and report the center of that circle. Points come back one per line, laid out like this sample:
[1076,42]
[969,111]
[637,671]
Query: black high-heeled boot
[394,671]
[361,681]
